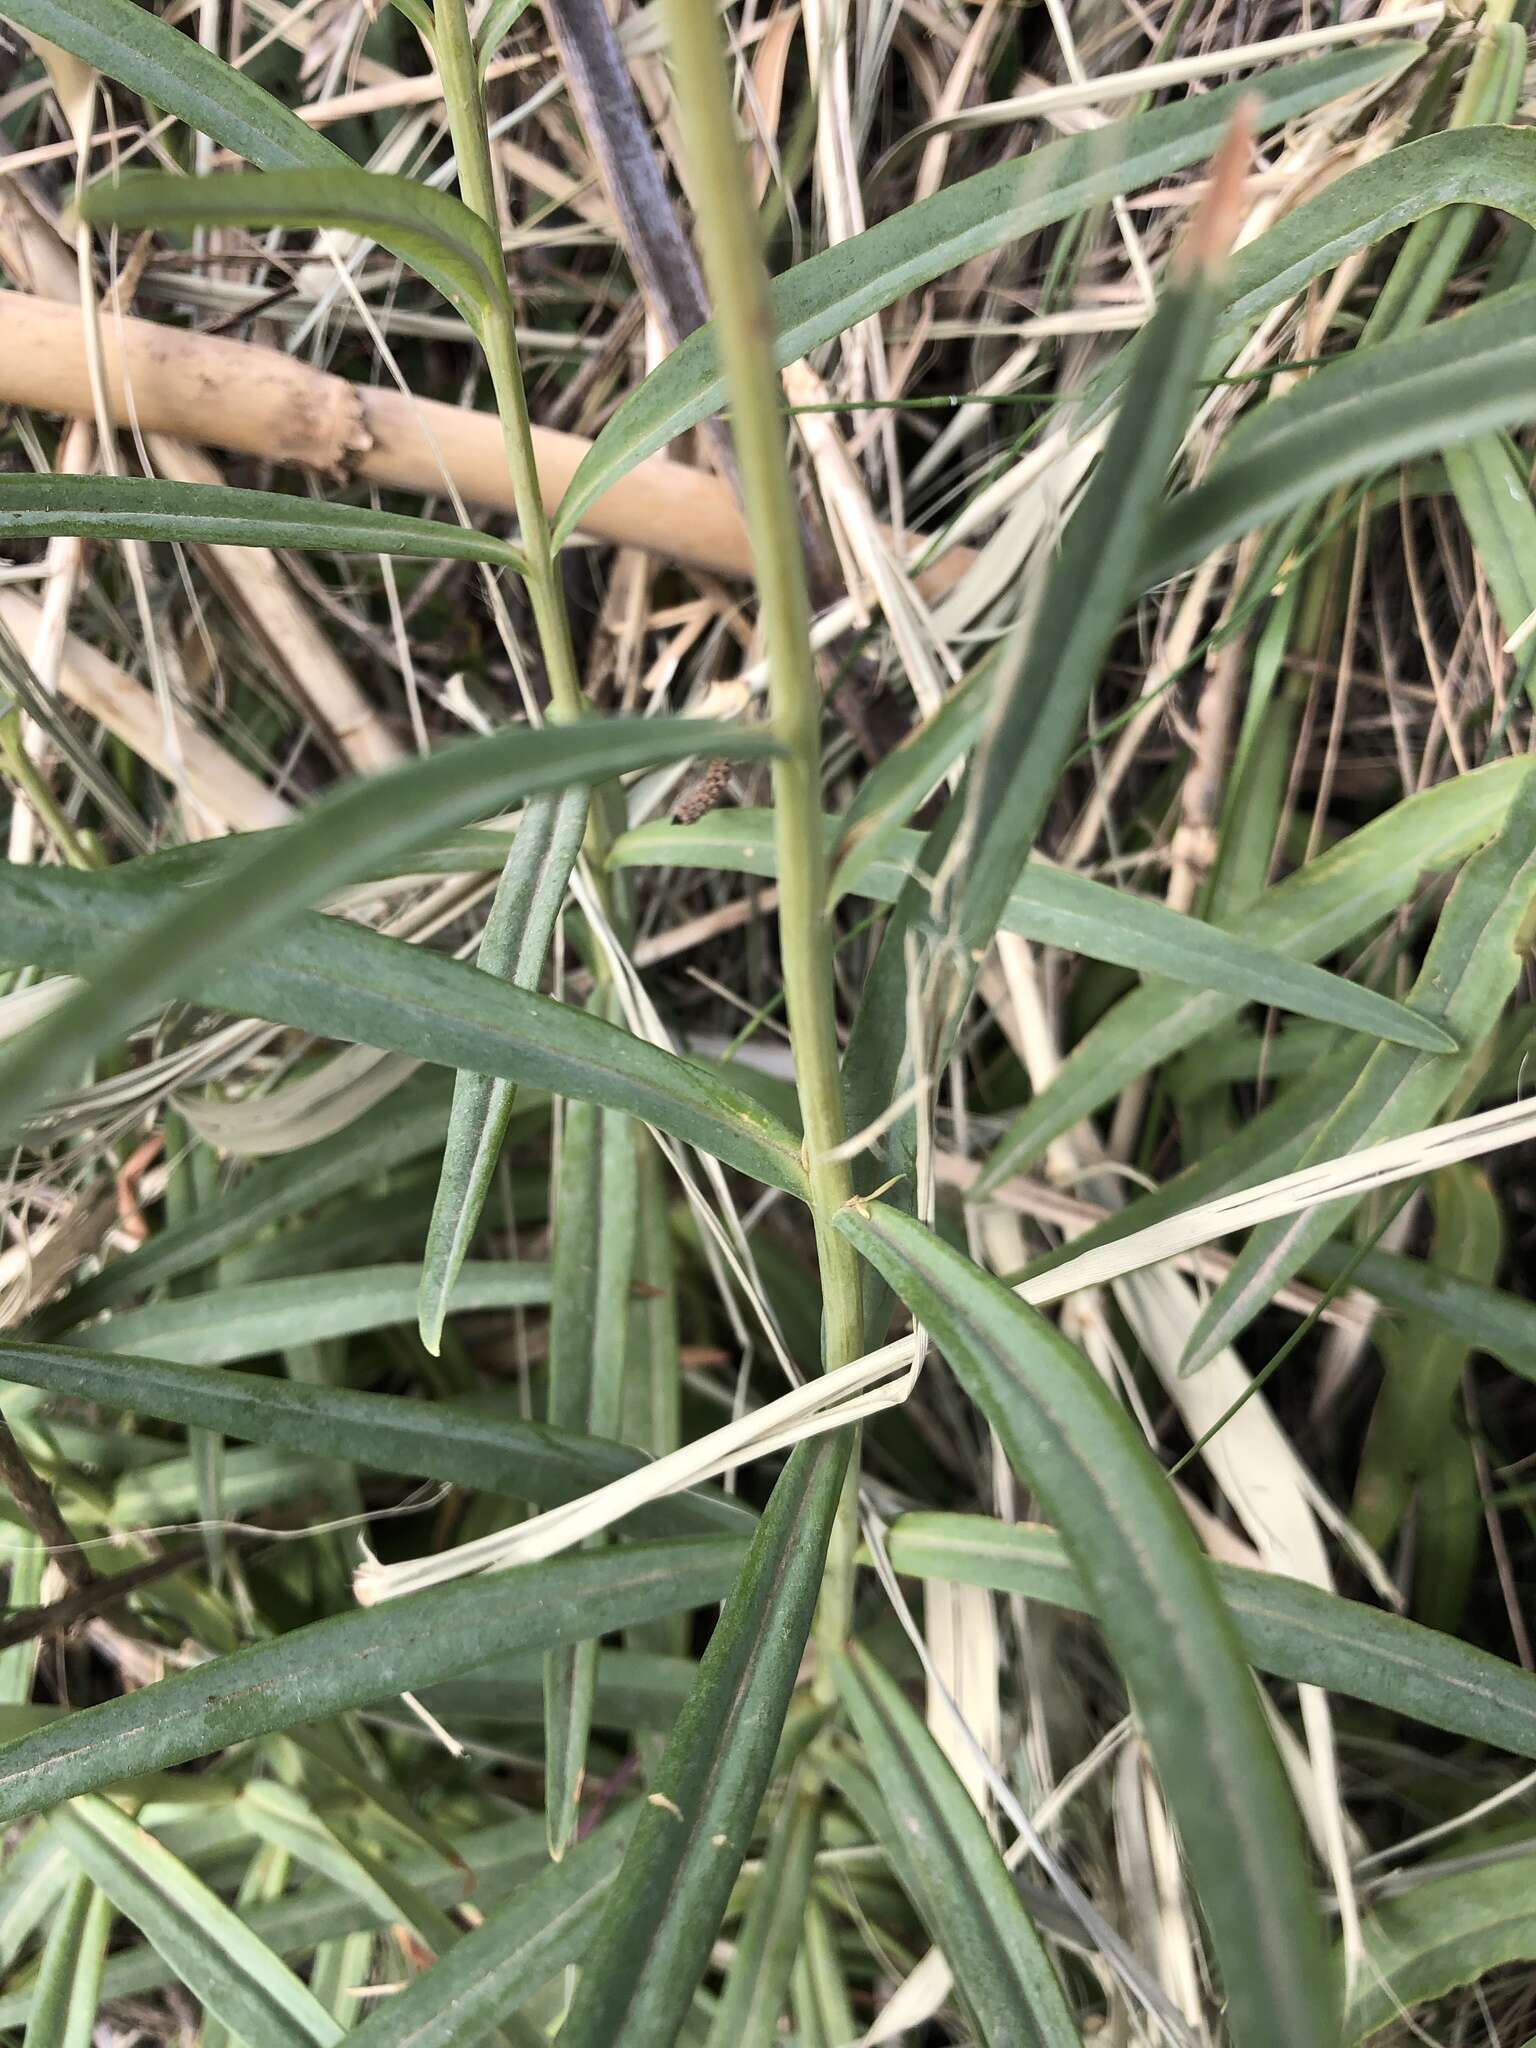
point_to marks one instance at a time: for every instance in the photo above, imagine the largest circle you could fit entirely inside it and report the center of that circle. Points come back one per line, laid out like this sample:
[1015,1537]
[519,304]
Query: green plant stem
[455,54]
[453,50]
[20,766]
[738,280]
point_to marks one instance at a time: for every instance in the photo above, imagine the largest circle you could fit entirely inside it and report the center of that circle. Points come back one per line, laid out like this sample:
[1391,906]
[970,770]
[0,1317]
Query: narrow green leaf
[235,1976]
[1482,1318]
[226,1324]
[1312,913]
[544,1926]
[68,1988]
[1069,1439]
[1415,1414]
[752,2001]
[513,947]
[949,1865]
[1042,699]
[1494,498]
[1444,1933]
[142,508]
[1478,166]
[592,1258]
[340,980]
[870,829]
[198,929]
[172,70]
[1470,970]
[1288,1629]
[352,1659]
[408,1123]
[1373,409]
[500,1859]
[654,1942]
[500,19]
[1055,907]
[833,291]
[461,1443]
[436,234]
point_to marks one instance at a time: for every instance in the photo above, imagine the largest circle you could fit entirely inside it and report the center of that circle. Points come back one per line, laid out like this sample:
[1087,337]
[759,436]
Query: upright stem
[455,52]
[738,278]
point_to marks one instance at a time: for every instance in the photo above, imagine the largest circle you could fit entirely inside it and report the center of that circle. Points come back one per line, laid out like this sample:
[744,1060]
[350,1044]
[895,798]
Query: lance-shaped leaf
[833,291]
[654,1943]
[1470,970]
[544,1926]
[592,1260]
[433,232]
[173,70]
[1373,409]
[1483,1318]
[513,947]
[66,1996]
[408,1123]
[234,1975]
[1055,907]
[339,980]
[224,1324]
[1443,1933]
[1071,1442]
[1042,699]
[1325,905]
[950,1867]
[1288,1629]
[447,1440]
[1479,166]
[353,1659]
[757,1986]
[144,508]
[285,872]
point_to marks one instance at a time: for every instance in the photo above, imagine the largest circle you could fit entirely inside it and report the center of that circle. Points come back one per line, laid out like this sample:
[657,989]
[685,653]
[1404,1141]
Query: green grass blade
[1413,1425]
[172,70]
[68,1988]
[949,1865]
[1325,905]
[830,292]
[500,1858]
[1039,706]
[460,1443]
[408,1123]
[513,947]
[1375,408]
[870,829]
[1482,1318]
[756,1988]
[353,1659]
[544,1926]
[1286,1628]
[1152,1588]
[1057,908]
[592,1260]
[226,1324]
[335,844]
[1444,1933]
[1478,166]
[1493,495]
[143,508]
[1472,967]
[235,1976]
[654,1944]
[436,234]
